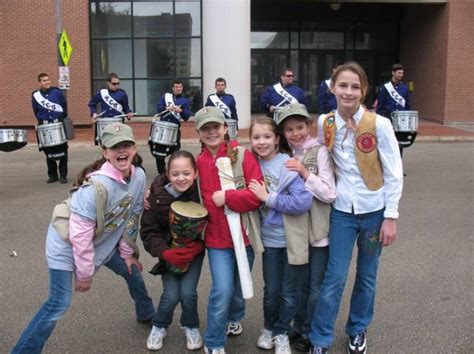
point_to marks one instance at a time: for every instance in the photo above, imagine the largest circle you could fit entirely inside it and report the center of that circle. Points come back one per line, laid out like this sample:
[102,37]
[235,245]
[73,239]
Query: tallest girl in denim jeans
[226,305]
[81,255]
[369,186]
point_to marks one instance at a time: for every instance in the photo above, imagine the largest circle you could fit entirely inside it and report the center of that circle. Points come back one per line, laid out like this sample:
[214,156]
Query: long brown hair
[97,164]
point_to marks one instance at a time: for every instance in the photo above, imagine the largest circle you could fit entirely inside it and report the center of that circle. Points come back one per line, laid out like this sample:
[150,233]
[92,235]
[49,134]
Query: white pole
[226,51]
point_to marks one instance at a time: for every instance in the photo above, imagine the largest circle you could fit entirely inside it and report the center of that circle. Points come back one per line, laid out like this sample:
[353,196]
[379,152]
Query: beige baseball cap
[207,115]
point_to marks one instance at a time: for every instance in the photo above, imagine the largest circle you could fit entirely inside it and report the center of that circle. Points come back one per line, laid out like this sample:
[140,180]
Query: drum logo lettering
[366,142]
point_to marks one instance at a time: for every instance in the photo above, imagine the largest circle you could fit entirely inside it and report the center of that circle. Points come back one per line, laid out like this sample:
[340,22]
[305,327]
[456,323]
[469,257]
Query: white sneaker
[282,344]
[234,329]
[193,338]
[155,339]
[214,351]
[265,341]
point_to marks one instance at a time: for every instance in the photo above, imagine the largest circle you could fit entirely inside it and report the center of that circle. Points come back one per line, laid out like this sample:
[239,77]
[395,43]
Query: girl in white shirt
[360,214]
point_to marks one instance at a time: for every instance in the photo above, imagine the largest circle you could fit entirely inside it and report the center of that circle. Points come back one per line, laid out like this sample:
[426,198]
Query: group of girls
[288,178]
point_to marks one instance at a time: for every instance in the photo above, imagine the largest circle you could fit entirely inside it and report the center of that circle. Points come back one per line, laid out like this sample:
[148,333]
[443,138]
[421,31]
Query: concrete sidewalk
[427,132]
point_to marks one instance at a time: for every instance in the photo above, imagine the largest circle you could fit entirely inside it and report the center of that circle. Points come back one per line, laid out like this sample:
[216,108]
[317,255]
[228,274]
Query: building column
[226,51]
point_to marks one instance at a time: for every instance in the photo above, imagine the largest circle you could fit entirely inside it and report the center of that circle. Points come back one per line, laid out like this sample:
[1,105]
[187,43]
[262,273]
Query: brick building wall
[423,52]
[30,47]
[459,105]
[437,51]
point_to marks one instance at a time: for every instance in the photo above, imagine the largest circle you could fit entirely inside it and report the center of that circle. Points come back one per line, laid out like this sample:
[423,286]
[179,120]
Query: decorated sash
[365,149]
[394,94]
[285,94]
[109,100]
[45,103]
[216,101]
[170,102]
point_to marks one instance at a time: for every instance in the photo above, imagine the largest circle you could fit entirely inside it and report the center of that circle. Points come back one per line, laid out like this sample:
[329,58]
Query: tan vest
[366,152]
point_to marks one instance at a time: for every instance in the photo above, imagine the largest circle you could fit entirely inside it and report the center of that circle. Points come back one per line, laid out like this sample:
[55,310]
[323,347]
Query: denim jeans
[310,279]
[42,325]
[180,288]
[226,303]
[345,230]
[279,293]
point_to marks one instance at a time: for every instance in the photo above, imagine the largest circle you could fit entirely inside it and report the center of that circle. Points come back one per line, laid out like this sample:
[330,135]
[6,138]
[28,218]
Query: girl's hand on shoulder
[259,189]
[82,286]
[146,203]
[297,166]
[132,261]
[388,232]
[218,197]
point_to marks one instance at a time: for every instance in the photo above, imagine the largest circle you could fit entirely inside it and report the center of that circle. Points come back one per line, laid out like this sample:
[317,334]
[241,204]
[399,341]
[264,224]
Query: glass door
[265,70]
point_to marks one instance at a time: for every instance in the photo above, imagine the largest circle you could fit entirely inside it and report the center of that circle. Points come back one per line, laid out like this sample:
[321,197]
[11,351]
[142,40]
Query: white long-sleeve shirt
[352,193]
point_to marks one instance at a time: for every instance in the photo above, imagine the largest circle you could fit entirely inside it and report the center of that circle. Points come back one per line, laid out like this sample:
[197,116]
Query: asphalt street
[425,286]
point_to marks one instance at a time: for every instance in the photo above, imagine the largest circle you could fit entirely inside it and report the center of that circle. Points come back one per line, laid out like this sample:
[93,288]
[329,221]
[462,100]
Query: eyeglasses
[290,75]
[115,83]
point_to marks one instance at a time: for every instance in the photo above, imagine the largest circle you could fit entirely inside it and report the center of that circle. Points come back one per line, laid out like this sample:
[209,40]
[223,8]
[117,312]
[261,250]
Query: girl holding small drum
[174,239]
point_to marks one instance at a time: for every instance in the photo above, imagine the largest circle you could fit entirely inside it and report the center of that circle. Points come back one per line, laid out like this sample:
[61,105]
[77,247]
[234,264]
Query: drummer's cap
[116,133]
[397,66]
[294,109]
[207,115]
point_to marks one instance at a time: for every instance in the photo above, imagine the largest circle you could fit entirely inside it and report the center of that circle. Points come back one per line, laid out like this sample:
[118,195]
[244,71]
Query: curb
[195,142]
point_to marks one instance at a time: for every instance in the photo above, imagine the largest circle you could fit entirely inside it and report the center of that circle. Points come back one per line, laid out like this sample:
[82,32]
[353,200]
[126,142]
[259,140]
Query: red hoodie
[217,233]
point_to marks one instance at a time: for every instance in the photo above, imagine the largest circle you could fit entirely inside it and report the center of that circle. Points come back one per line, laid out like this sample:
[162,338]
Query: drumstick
[164,111]
[226,177]
[124,115]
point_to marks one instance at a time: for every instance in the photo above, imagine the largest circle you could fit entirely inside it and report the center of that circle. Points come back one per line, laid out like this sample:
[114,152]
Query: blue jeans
[345,230]
[279,293]
[180,288]
[226,303]
[42,325]
[310,280]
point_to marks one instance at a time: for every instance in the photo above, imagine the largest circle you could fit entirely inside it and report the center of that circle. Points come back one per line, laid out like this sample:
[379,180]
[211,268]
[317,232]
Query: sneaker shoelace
[281,340]
[359,339]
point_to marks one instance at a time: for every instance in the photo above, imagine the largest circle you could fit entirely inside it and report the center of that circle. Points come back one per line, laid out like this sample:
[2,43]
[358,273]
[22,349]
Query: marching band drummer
[50,106]
[222,100]
[393,95]
[282,93]
[175,109]
[113,101]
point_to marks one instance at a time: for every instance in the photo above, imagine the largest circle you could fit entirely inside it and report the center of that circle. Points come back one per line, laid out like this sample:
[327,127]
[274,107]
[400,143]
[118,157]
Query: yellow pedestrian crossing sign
[64,47]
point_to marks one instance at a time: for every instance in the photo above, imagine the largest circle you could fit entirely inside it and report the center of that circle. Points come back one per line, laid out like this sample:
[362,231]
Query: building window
[148,44]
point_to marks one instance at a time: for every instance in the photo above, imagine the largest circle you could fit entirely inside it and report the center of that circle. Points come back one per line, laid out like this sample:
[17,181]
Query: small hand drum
[187,222]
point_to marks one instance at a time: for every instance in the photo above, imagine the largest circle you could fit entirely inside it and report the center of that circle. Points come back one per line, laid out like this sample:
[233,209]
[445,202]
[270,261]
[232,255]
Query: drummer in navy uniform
[173,107]
[222,100]
[393,95]
[113,101]
[282,93]
[50,106]
[326,99]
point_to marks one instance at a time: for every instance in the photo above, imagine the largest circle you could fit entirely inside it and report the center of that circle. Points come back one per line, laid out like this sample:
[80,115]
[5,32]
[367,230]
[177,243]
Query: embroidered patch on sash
[366,142]
[330,120]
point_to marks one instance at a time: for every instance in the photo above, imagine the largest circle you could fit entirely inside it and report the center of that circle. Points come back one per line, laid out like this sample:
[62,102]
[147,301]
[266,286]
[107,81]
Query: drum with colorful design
[187,223]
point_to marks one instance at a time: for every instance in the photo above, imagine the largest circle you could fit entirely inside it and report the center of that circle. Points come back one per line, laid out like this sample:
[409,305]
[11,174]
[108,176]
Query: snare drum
[231,128]
[164,133]
[12,139]
[187,222]
[101,123]
[51,134]
[405,121]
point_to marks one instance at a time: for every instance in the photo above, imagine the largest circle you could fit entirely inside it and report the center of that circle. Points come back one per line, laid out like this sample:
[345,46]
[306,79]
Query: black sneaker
[52,179]
[63,180]
[357,344]
[302,344]
[294,336]
[318,350]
